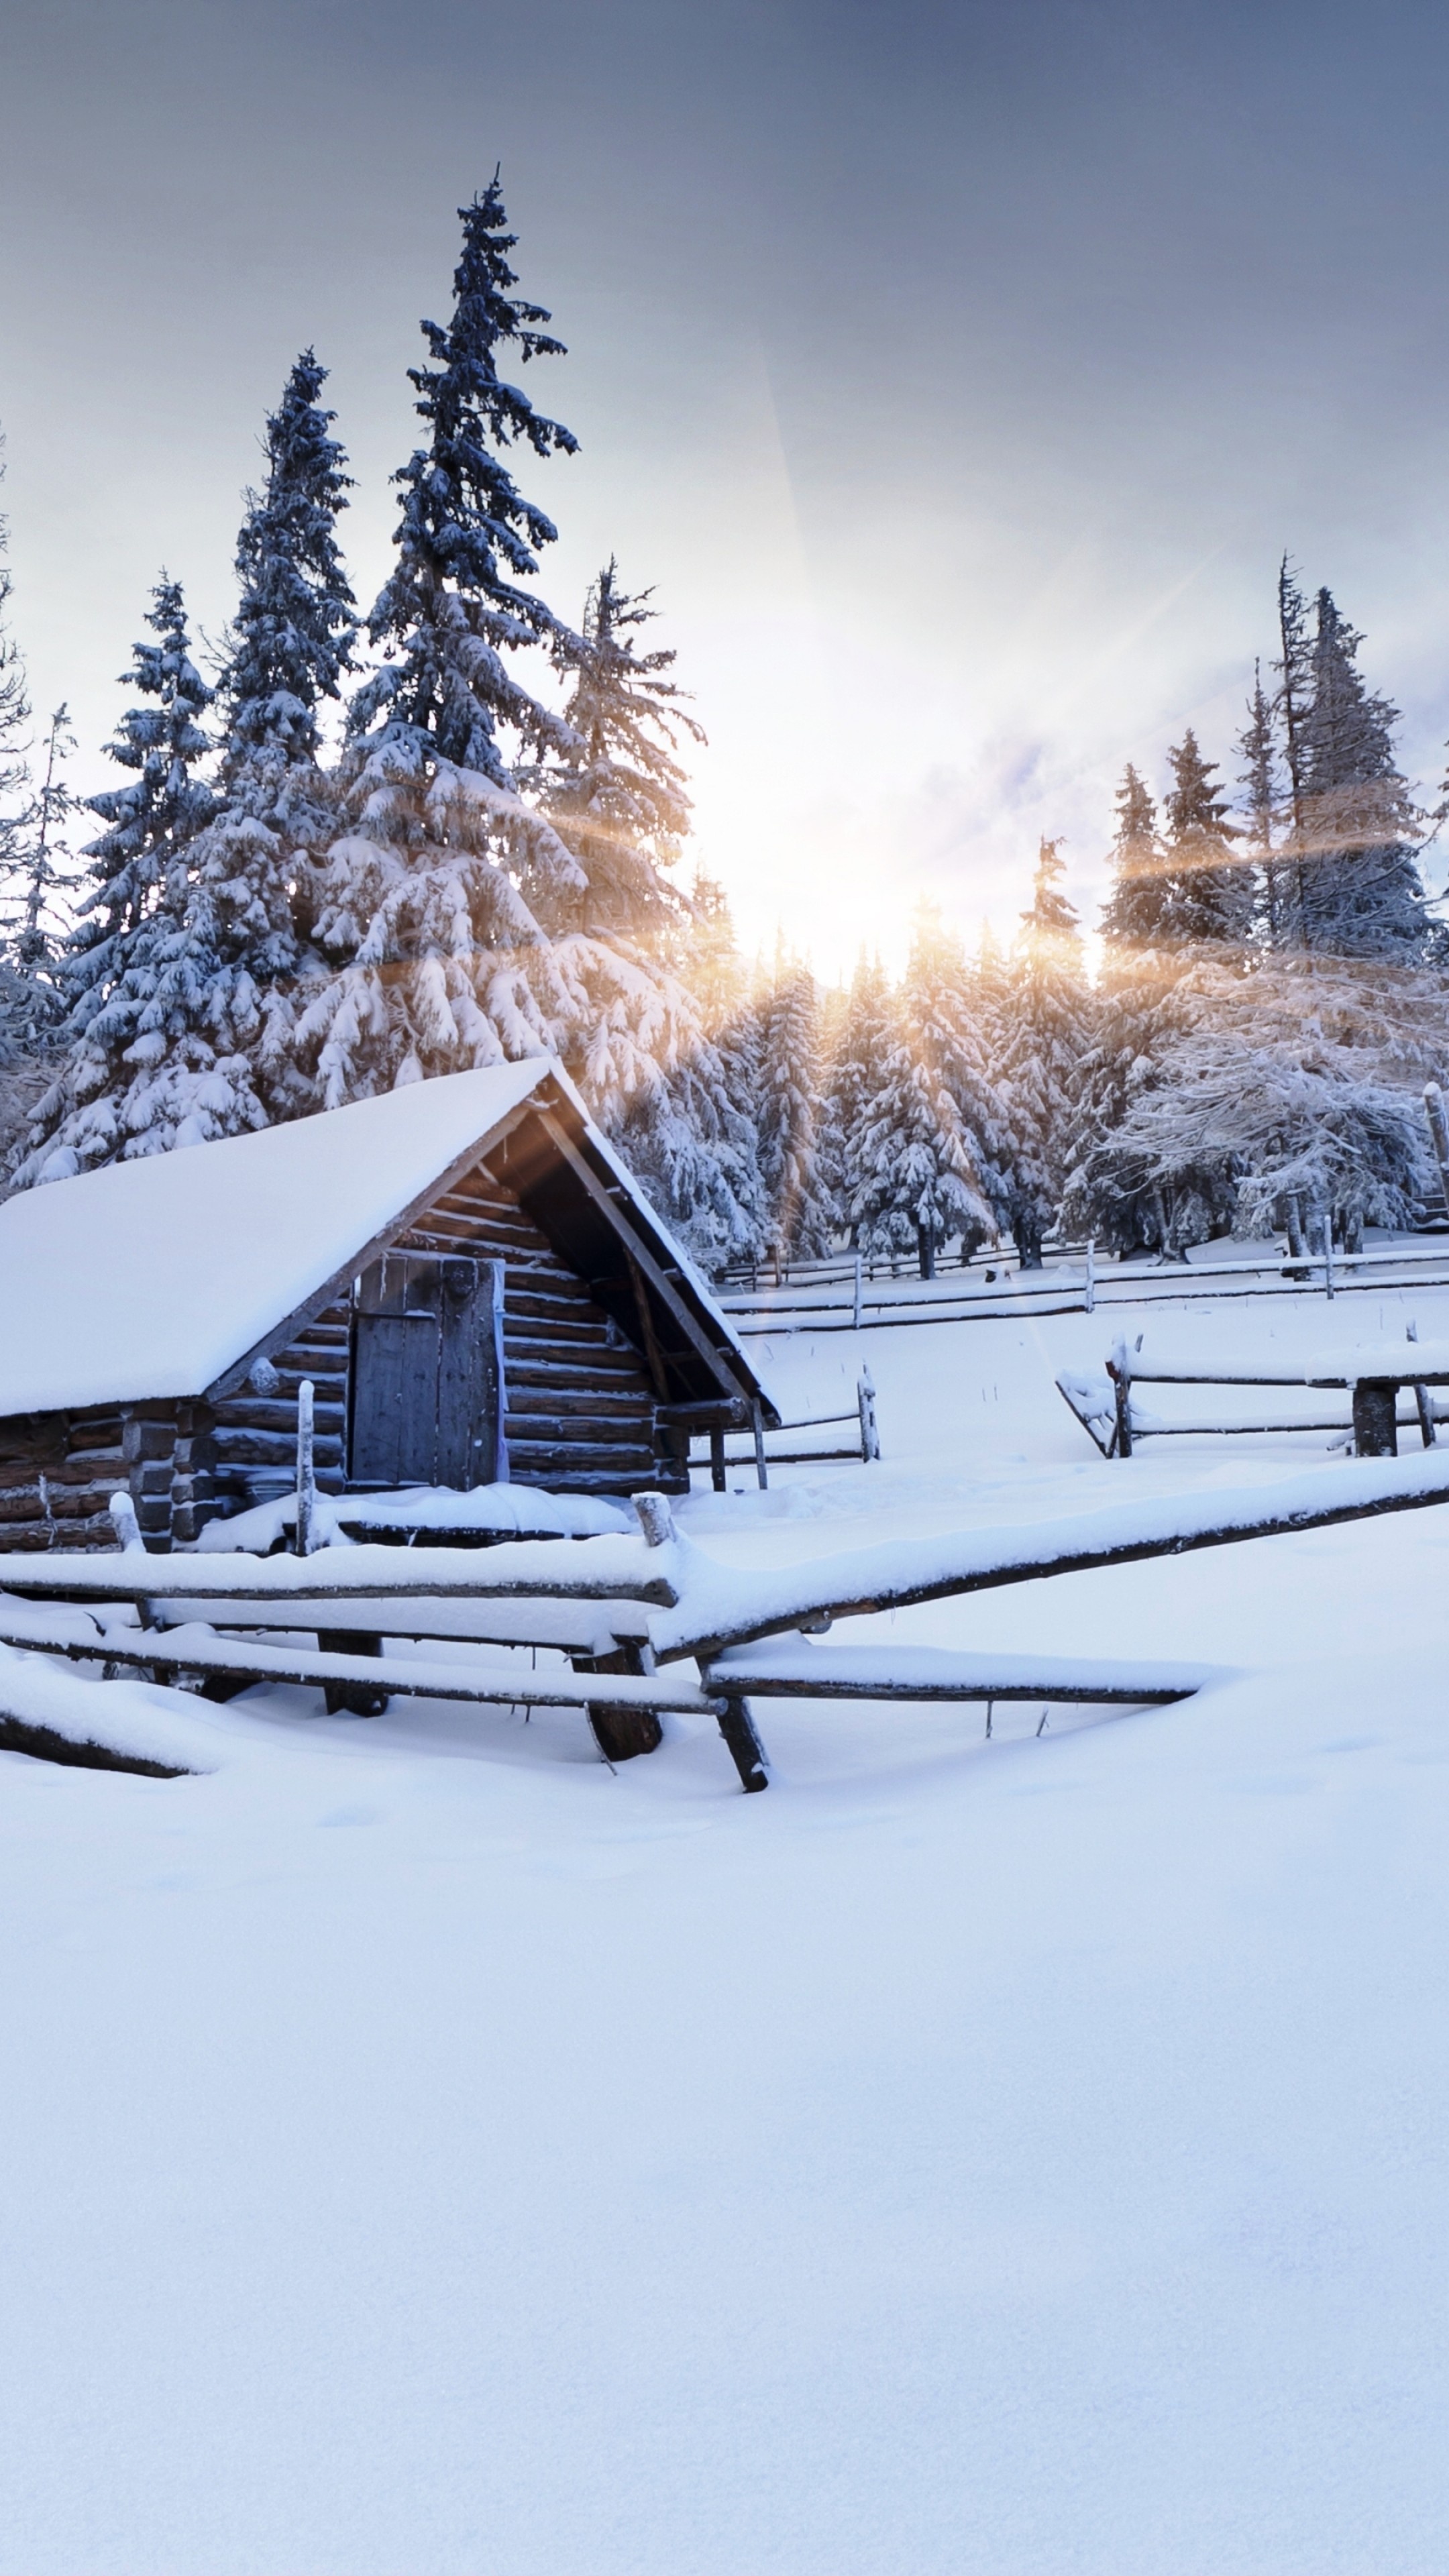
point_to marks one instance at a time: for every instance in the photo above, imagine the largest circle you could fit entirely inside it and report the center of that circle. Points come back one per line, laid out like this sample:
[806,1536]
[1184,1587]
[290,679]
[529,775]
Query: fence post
[655,1518]
[305,1540]
[856,1318]
[1434,1104]
[869,1433]
[1424,1403]
[1119,1370]
[1089,1303]
[1328,1253]
[758,1422]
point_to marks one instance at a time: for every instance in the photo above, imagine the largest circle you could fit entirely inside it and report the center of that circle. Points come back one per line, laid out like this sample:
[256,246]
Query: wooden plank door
[427,1378]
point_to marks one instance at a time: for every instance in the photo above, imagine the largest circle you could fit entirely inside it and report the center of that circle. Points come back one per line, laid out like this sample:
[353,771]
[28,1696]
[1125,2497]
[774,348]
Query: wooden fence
[830,1298]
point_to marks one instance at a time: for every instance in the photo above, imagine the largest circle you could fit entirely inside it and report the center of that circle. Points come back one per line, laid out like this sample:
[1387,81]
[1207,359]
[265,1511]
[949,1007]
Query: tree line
[488,866]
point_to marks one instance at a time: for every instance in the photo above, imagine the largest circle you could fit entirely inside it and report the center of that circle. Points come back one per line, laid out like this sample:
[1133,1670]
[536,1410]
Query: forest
[367,848]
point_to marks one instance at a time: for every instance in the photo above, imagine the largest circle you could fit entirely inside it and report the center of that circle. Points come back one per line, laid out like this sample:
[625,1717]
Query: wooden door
[427,1373]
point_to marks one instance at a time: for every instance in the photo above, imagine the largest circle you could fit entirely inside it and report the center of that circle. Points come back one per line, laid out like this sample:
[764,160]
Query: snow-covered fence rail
[589,1569]
[762,1456]
[721,1606]
[1373,1376]
[1042,1293]
[200,1652]
[699,1608]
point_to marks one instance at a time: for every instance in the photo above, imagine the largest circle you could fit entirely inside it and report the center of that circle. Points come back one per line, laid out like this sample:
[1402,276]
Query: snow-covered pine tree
[1211,891]
[239,987]
[37,875]
[709,956]
[132,923]
[428,907]
[296,622]
[1136,917]
[694,1146]
[220,984]
[1362,893]
[856,1072]
[1260,776]
[1137,1005]
[15,799]
[1279,1087]
[791,1081]
[619,803]
[921,1150]
[1041,1047]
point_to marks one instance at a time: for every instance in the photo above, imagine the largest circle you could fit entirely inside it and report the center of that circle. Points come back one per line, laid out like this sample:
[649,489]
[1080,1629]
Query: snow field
[429,2151]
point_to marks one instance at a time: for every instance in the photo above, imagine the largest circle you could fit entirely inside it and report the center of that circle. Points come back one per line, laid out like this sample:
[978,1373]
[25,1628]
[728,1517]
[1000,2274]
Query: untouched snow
[427,2150]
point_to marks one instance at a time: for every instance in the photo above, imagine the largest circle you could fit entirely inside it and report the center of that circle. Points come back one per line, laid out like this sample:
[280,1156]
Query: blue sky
[957,373]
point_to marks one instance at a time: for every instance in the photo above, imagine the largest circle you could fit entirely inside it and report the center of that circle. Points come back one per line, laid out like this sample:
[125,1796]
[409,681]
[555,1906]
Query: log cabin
[473,1283]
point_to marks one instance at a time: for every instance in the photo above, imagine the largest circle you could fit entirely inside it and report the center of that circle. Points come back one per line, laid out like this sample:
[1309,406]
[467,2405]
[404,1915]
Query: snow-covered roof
[151,1278]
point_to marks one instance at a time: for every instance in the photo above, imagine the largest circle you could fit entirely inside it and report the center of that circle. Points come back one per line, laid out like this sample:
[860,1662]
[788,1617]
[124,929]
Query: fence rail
[1069,1291]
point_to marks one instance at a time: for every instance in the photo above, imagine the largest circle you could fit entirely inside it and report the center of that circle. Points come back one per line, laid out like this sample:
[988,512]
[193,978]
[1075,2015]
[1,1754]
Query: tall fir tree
[620,804]
[38,878]
[221,982]
[429,909]
[1260,777]
[132,923]
[1211,891]
[1362,893]
[790,1121]
[1040,1054]
[1136,1006]
[921,1150]
[15,801]
[1292,699]
[708,955]
[1137,914]
[856,1071]
[241,985]
[296,623]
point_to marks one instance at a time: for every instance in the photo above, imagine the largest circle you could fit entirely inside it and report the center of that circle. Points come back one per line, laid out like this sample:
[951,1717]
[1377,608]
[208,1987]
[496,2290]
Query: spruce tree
[1362,894]
[1260,773]
[790,1097]
[922,1145]
[428,910]
[37,878]
[1294,667]
[1043,1040]
[1137,1005]
[709,956]
[1137,913]
[15,800]
[132,924]
[1210,893]
[857,1070]
[620,805]
[228,995]
[219,981]
[295,624]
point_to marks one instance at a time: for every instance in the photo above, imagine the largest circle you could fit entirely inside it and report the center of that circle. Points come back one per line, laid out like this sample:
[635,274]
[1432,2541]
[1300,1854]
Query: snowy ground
[430,2154]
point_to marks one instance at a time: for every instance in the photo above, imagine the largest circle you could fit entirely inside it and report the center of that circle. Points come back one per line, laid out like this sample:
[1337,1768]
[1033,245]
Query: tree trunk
[926,1251]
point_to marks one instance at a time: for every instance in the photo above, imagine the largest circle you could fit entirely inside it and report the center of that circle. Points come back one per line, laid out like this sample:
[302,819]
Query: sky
[956,374]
